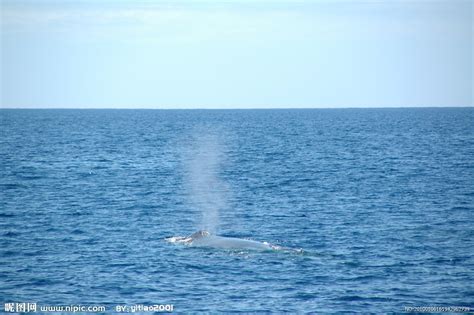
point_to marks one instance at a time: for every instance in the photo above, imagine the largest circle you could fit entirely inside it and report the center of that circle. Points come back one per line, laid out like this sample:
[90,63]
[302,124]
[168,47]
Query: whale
[205,239]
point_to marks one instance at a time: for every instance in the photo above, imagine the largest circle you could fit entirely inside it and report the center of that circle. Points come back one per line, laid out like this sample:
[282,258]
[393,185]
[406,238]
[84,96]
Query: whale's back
[199,234]
[230,243]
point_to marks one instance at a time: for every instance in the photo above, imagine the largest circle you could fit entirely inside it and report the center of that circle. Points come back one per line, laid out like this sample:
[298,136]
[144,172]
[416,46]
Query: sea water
[380,201]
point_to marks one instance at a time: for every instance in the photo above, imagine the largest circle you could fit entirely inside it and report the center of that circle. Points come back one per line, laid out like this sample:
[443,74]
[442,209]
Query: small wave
[9,253]
[10,234]
[30,177]
[461,208]
[77,232]
[12,186]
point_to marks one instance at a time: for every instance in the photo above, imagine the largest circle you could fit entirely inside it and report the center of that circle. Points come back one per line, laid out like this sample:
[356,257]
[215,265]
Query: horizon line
[231,108]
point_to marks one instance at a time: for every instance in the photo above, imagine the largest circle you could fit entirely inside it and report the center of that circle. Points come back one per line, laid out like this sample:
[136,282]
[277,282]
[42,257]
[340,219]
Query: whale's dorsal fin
[199,234]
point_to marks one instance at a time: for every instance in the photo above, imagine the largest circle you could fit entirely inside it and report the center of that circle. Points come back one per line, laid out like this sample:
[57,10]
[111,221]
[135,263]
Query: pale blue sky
[236,53]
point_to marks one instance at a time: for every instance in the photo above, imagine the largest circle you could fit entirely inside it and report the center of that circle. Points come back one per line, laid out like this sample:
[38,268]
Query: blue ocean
[378,202]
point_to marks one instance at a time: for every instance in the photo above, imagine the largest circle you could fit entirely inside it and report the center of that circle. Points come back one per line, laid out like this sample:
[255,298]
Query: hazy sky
[236,53]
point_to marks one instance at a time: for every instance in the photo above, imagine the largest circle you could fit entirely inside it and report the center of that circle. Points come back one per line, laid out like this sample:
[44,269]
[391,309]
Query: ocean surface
[381,202]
